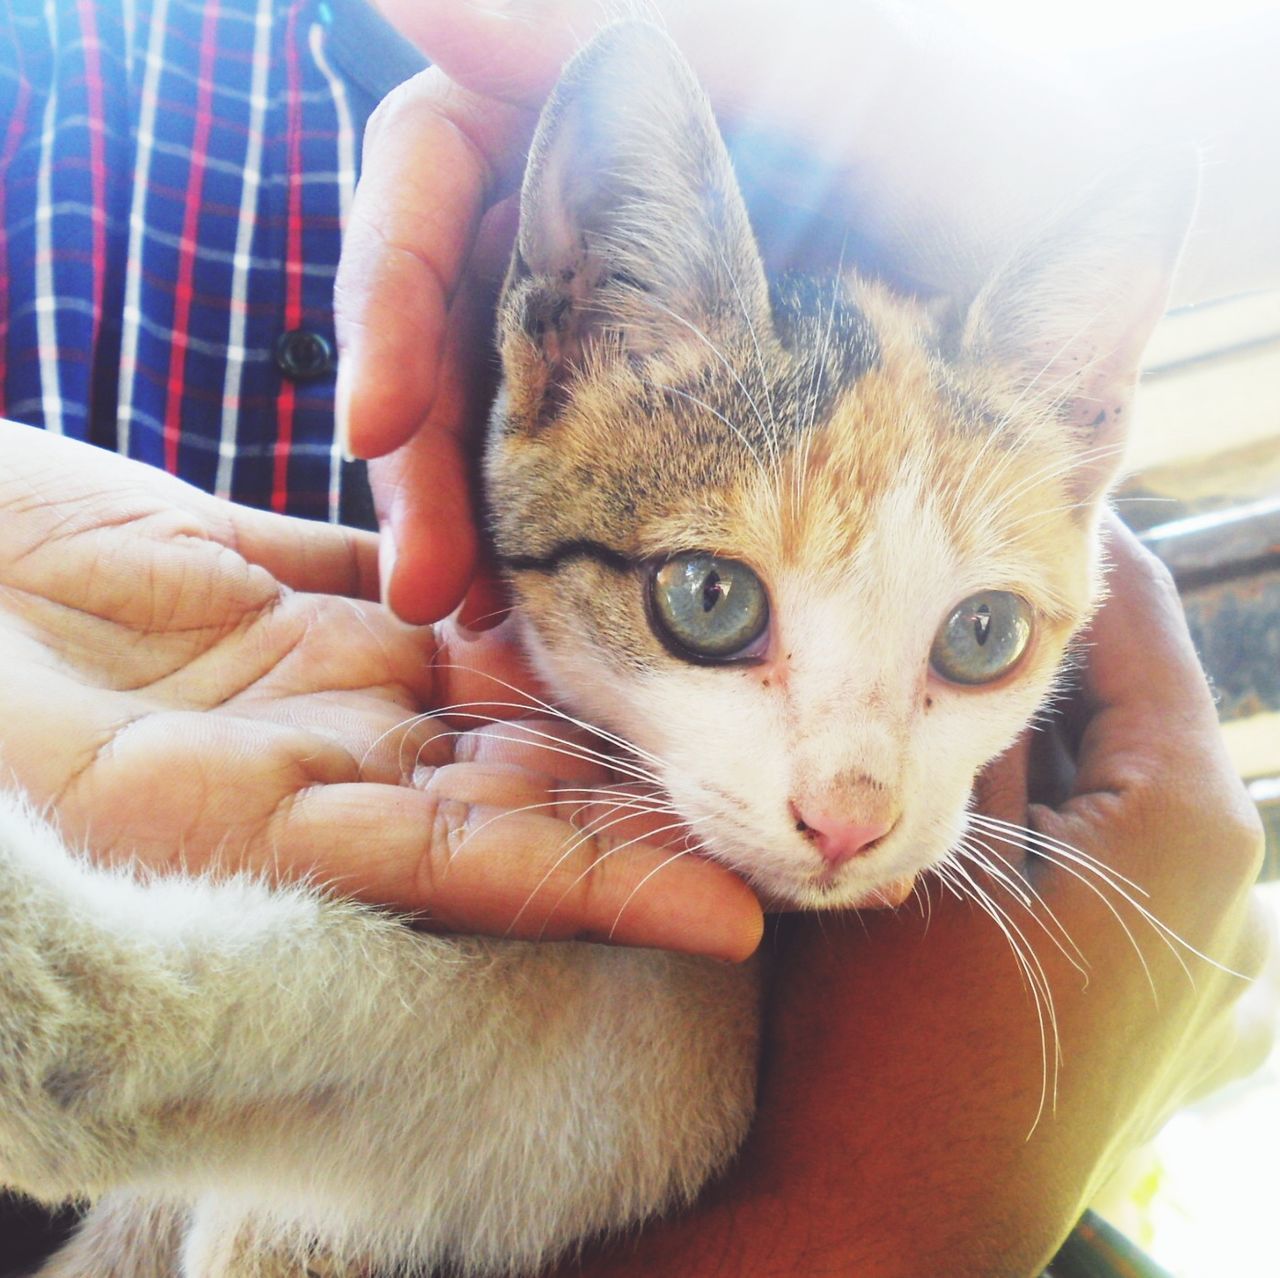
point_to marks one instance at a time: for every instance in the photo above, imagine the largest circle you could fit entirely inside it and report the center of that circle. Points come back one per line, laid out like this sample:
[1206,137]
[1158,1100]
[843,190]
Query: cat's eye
[705,608]
[983,638]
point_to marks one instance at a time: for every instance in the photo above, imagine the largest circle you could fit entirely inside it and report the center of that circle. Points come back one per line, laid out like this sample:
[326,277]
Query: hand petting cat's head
[816,549]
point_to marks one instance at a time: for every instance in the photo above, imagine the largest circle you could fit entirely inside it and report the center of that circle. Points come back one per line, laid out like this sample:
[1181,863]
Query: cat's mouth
[884,895]
[888,895]
[830,892]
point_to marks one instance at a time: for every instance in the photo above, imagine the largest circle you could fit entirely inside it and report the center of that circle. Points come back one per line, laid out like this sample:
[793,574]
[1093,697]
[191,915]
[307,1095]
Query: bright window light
[1044,27]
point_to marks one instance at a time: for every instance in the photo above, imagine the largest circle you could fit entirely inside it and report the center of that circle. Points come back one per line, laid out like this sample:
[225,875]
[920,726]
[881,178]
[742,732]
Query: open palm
[192,682]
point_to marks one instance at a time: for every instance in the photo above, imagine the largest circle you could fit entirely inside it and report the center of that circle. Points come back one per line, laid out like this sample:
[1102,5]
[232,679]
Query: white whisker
[1003,871]
[622,909]
[1035,977]
[532,701]
[1057,858]
[593,830]
[773,438]
[716,351]
[521,732]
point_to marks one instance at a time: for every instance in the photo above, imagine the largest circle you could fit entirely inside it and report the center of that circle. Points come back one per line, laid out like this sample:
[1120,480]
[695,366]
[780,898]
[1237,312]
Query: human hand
[902,1128]
[191,682]
[915,160]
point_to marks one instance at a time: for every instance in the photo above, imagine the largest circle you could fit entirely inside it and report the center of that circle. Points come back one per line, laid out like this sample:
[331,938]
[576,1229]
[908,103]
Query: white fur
[310,1070]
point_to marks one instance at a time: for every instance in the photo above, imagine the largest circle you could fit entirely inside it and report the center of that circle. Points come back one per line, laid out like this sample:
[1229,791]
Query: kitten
[817,552]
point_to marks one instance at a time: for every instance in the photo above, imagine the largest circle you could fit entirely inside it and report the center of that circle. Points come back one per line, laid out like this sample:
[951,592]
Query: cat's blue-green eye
[706,608]
[983,638]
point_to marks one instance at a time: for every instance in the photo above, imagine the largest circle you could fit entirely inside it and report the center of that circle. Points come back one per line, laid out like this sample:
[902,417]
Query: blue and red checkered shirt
[176,175]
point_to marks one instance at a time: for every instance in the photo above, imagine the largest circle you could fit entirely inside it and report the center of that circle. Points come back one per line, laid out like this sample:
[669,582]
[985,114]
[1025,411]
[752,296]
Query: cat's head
[815,548]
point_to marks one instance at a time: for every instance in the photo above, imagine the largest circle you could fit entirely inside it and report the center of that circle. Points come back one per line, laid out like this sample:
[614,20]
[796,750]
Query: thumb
[422,490]
[1149,703]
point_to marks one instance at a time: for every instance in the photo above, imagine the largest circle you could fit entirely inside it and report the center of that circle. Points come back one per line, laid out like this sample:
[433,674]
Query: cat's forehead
[796,444]
[703,429]
[908,459]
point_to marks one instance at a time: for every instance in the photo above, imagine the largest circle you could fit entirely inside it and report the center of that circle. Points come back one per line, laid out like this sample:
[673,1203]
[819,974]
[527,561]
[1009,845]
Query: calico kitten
[816,552]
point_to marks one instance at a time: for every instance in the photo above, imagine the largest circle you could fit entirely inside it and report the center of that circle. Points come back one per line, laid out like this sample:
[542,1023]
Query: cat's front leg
[123,1236]
[225,1243]
[165,1031]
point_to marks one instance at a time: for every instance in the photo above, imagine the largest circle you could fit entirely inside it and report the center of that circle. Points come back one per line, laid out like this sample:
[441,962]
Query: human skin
[191,682]
[833,1180]
[173,700]
[903,1068]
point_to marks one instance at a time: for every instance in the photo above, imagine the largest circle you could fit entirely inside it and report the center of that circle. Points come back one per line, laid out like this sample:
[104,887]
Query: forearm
[907,1168]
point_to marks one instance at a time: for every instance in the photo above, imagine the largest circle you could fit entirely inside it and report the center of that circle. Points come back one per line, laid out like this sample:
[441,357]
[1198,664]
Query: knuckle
[1258,955]
[423,775]
[572,808]
[1242,840]
[1147,568]
[420,748]
[1255,954]
[587,882]
[580,862]
[392,107]
[1161,580]
[1254,849]
[448,830]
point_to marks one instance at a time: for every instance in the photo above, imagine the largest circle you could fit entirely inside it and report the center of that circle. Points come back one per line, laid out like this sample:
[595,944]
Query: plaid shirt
[176,175]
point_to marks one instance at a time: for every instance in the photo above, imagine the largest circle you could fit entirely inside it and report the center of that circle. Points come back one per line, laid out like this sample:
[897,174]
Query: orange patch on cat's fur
[1000,486]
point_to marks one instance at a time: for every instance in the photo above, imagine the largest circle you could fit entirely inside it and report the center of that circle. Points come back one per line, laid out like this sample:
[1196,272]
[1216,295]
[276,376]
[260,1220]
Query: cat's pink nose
[837,840]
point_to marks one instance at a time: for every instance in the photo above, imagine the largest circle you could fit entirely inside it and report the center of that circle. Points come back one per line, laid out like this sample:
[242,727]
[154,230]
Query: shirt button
[303,356]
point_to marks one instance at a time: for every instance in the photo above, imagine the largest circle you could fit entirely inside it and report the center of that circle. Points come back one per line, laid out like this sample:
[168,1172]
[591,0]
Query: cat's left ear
[1069,315]
[633,234]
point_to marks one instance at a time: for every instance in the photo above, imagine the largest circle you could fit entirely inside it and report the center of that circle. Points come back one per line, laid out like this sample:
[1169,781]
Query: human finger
[477,867]
[744,51]
[547,746]
[1241,1038]
[428,545]
[422,490]
[1153,771]
[508,49]
[289,806]
[302,554]
[407,244]
[1140,658]
[998,816]
[55,486]
[1000,790]
[587,800]
[1159,823]
[384,742]
[483,672]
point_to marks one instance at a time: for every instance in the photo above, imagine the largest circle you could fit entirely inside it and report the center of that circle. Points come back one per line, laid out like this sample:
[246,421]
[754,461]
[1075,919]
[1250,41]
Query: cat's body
[326,1072]
[816,555]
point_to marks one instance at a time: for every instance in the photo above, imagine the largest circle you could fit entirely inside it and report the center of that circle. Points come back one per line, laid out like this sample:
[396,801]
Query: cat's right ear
[633,235]
[1068,316]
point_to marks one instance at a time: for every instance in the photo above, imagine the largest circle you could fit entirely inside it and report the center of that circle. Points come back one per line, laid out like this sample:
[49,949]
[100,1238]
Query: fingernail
[485,607]
[342,409]
[386,564]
